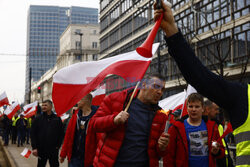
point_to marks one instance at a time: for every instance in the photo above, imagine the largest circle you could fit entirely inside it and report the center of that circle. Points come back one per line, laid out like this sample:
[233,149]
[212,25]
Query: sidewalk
[20,161]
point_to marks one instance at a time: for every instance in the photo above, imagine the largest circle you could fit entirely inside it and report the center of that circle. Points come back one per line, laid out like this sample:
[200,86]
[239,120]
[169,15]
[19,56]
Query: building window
[94,44]
[94,57]
[78,45]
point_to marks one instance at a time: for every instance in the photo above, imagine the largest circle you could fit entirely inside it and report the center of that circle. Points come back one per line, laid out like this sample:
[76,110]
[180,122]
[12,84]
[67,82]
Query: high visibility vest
[242,139]
[220,128]
[14,120]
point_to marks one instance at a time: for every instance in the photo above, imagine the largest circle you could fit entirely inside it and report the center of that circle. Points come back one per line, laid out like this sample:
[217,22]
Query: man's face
[195,110]
[46,107]
[213,111]
[153,90]
[84,101]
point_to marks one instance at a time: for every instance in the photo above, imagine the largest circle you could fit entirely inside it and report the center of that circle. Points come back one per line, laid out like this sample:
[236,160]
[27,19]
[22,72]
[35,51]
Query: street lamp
[80,34]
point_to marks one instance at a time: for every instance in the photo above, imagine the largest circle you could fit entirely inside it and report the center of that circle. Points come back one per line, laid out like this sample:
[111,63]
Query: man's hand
[163,141]
[35,152]
[61,159]
[121,118]
[215,148]
[168,24]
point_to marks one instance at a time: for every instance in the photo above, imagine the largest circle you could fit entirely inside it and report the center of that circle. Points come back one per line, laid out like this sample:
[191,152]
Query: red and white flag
[98,95]
[29,107]
[176,101]
[64,117]
[26,153]
[171,102]
[72,83]
[12,109]
[3,99]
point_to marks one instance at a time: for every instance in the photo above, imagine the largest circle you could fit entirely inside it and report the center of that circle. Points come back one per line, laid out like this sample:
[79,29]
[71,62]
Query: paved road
[20,161]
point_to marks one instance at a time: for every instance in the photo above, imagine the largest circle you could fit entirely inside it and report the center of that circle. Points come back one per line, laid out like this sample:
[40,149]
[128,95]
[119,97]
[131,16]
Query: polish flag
[176,101]
[26,153]
[98,95]
[31,113]
[12,109]
[72,83]
[171,102]
[64,117]
[3,99]
[30,106]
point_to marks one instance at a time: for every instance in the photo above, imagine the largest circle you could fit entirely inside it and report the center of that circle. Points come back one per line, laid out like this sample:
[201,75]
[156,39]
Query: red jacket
[109,146]
[90,143]
[177,149]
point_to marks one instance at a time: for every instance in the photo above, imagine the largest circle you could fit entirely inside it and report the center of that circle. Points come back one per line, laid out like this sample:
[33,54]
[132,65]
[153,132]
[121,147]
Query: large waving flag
[3,99]
[12,109]
[72,83]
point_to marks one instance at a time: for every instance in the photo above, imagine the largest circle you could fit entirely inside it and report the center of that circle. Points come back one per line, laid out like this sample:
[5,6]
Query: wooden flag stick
[130,100]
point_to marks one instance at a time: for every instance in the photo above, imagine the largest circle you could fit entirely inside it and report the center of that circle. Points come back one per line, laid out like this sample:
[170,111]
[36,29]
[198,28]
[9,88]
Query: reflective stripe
[243,136]
[243,160]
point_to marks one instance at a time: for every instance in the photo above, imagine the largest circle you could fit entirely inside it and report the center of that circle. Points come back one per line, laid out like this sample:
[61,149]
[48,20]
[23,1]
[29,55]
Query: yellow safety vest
[14,120]
[242,139]
[220,128]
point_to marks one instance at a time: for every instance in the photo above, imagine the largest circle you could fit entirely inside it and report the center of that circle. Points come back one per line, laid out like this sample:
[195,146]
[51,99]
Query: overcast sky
[13,25]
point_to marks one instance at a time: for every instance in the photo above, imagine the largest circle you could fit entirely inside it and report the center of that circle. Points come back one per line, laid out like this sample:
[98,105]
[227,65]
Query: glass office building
[217,30]
[45,25]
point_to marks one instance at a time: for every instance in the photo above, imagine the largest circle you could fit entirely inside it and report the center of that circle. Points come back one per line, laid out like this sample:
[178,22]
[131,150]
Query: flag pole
[130,100]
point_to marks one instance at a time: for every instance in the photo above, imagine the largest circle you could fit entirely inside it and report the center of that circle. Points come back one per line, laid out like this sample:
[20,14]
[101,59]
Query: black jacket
[21,124]
[232,96]
[46,132]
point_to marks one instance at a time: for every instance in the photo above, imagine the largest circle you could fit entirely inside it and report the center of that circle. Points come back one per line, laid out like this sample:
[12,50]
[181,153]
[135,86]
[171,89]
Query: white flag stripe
[25,151]
[9,109]
[101,90]
[64,116]
[190,90]
[64,76]
[30,105]
[3,96]
[171,102]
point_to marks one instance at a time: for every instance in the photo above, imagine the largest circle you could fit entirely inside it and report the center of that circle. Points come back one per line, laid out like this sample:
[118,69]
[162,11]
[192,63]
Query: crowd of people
[17,129]
[113,135]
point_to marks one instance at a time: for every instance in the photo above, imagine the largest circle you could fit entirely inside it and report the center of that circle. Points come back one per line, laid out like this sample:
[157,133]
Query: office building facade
[45,26]
[218,31]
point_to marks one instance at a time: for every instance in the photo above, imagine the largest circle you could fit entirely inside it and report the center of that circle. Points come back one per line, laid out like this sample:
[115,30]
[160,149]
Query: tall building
[45,26]
[78,43]
[218,31]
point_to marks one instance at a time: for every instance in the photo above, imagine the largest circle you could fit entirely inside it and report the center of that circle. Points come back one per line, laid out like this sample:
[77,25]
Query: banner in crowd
[29,107]
[4,99]
[72,83]
[12,109]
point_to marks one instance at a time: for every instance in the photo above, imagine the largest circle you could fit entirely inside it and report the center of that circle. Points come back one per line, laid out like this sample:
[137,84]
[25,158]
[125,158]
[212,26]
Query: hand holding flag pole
[130,100]
[168,123]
